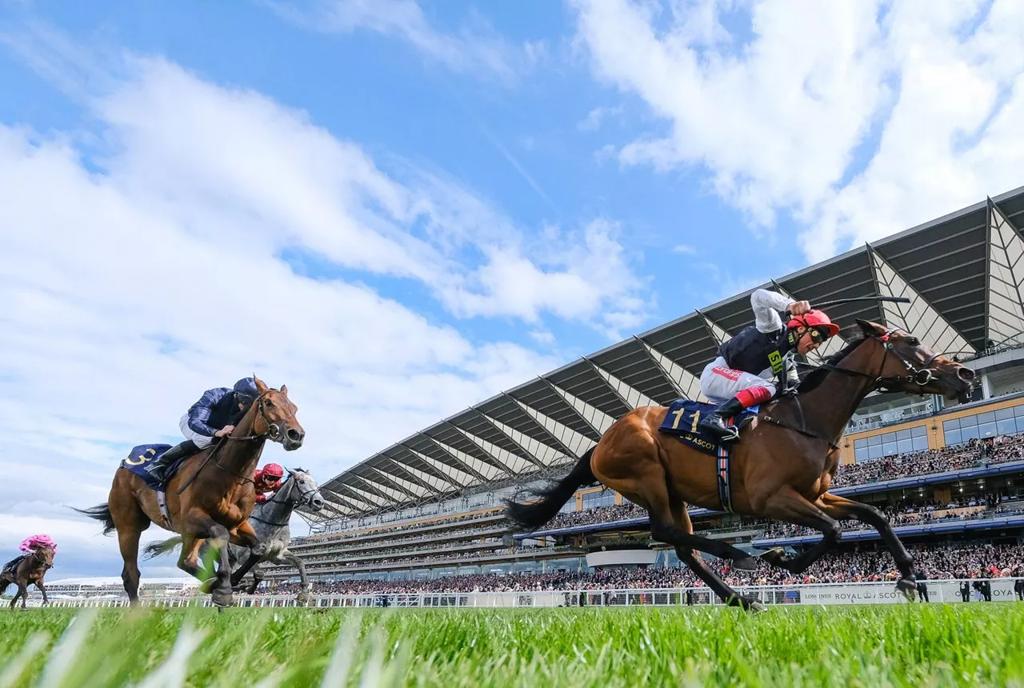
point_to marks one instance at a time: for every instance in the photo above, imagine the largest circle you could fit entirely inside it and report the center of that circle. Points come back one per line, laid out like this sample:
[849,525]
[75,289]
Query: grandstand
[426,512]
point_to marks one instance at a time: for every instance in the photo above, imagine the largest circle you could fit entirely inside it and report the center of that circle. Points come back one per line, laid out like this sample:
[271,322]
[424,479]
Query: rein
[917,376]
[273,432]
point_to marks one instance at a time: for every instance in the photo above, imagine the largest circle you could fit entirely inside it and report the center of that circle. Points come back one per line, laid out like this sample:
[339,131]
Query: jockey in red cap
[267,480]
[748,365]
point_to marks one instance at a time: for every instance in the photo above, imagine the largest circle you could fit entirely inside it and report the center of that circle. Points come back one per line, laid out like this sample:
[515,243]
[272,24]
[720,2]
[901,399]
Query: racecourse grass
[898,645]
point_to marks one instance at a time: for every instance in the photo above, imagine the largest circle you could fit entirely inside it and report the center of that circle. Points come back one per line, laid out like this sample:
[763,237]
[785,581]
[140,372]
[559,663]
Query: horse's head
[912,367]
[275,417]
[44,556]
[305,491]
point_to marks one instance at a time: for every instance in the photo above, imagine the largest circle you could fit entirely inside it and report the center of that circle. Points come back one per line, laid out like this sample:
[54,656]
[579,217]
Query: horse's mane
[817,375]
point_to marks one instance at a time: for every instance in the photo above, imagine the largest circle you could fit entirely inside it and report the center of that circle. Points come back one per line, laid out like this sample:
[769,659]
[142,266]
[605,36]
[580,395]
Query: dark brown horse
[782,466]
[27,570]
[209,498]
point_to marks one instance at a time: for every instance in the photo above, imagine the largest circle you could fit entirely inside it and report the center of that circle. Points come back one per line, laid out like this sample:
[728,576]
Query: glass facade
[891,443]
[1007,421]
[593,500]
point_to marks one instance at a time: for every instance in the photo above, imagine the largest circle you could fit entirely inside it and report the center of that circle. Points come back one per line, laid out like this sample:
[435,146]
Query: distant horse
[209,498]
[270,521]
[782,466]
[25,570]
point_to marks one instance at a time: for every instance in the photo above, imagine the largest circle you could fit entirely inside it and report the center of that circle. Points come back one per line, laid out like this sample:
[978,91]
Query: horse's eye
[912,341]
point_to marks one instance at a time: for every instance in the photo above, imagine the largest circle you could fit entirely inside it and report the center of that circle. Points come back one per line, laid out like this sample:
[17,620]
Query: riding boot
[715,422]
[158,466]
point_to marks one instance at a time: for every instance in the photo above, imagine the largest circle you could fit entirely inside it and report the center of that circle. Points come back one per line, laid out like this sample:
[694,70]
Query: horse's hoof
[756,607]
[908,588]
[745,563]
[222,598]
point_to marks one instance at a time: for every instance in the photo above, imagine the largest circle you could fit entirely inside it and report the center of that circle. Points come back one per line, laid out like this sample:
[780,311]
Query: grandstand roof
[963,272]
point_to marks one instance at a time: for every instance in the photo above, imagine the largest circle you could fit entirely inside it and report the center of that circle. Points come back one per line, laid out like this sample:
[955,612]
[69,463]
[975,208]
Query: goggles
[818,334]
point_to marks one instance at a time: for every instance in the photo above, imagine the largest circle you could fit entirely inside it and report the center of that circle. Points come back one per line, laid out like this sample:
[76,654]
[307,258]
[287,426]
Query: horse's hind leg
[790,506]
[130,521]
[692,559]
[670,524]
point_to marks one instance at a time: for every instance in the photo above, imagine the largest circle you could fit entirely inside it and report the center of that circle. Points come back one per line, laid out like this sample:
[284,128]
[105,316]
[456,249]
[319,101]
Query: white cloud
[145,265]
[475,49]
[788,120]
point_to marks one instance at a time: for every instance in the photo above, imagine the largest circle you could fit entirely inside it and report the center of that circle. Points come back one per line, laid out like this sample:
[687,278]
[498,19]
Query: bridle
[37,555]
[304,498]
[919,376]
[273,433]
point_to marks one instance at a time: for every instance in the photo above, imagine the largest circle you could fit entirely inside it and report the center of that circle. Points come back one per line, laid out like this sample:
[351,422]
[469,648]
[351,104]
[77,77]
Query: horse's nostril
[965,374]
[295,435]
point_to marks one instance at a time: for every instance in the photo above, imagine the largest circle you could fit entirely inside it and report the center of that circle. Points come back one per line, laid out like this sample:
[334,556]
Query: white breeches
[190,434]
[719,383]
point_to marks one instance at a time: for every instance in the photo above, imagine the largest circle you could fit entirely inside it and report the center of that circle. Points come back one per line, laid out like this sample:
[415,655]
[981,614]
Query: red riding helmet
[272,472]
[816,321]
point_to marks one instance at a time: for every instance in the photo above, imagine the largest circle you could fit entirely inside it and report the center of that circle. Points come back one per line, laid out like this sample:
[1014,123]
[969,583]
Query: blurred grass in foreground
[898,645]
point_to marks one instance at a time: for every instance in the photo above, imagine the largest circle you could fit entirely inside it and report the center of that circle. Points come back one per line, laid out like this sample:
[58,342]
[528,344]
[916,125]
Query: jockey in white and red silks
[267,480]
[753,364]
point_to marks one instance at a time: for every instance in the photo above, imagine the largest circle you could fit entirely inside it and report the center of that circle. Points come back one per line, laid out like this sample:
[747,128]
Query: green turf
[899,645]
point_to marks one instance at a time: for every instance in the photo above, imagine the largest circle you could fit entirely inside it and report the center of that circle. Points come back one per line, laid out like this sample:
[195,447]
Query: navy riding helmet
[245,390]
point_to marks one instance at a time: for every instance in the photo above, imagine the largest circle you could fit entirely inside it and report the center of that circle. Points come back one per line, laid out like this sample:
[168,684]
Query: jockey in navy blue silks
[214,415]
[747,367]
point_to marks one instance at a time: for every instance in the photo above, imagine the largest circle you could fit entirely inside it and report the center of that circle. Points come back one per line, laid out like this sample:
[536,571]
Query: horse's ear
[284,390]
[261,387]
[871,329]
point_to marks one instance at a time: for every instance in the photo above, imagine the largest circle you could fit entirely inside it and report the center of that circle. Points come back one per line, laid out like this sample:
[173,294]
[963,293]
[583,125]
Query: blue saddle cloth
[683,418]
[139,459]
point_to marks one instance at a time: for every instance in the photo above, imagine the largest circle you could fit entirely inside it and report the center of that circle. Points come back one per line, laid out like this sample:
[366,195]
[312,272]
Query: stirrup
[722,432]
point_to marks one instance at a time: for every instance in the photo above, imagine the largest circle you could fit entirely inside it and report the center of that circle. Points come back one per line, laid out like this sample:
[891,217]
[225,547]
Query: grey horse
[270,521]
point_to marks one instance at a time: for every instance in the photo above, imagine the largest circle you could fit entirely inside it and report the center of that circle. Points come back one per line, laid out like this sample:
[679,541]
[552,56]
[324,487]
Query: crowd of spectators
[965,509]
[968,455]
[980,561]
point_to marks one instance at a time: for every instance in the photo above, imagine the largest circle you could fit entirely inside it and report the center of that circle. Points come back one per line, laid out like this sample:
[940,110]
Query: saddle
[683,419]
[139,460]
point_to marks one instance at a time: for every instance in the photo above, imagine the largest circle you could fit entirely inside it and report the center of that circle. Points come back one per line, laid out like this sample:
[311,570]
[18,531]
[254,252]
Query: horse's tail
[3,585]
[530,516]
[157,548]
[101,512]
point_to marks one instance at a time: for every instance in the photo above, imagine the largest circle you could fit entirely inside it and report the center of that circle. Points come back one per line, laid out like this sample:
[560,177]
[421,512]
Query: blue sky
[401,208]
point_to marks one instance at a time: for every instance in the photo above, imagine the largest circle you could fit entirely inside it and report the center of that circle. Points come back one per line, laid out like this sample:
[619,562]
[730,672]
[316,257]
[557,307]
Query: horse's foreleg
[42,589]
[257,578]
[875,518]
[221,593]
[790,506]
[245,536]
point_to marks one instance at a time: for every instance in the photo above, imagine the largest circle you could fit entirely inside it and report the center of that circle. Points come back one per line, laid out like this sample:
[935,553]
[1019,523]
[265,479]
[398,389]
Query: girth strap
[722,471]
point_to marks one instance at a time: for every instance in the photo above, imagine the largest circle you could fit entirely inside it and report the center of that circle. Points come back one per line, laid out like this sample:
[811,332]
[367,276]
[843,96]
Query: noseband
[915,375]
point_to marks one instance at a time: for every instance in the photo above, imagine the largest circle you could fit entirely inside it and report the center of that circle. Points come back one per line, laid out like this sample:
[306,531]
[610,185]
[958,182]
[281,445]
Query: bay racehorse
[782,466]
[28,569]
[209,498]
[270,522]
